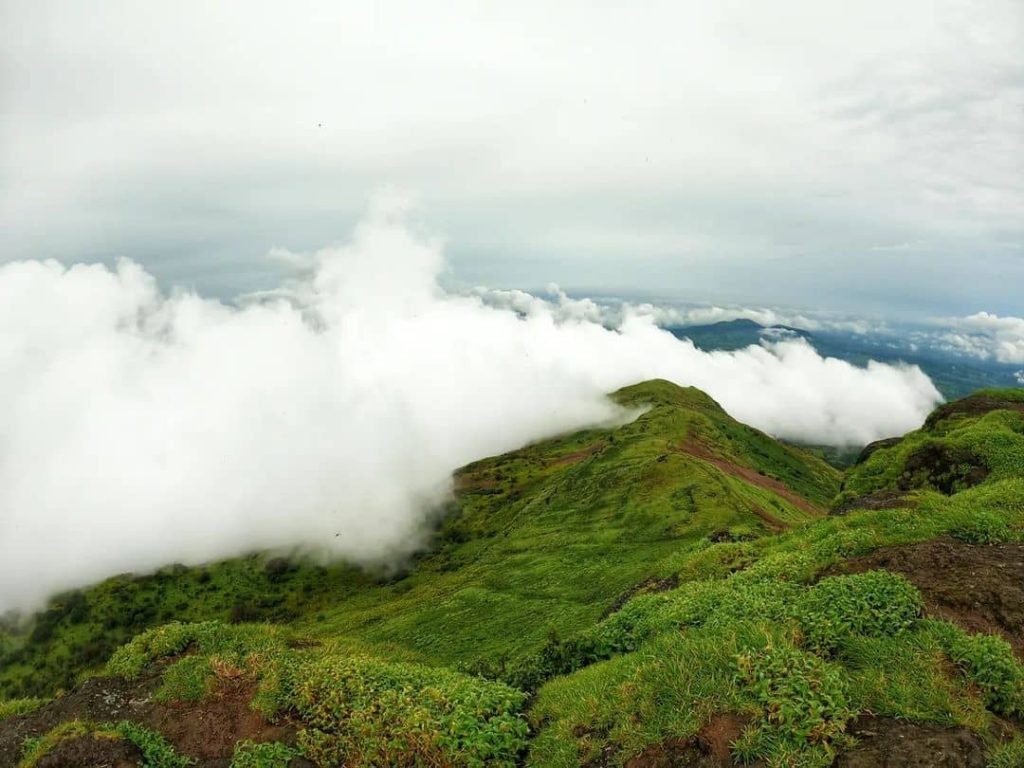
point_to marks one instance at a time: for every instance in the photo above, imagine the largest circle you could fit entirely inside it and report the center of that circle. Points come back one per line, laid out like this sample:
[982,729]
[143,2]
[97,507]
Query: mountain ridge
[613,595]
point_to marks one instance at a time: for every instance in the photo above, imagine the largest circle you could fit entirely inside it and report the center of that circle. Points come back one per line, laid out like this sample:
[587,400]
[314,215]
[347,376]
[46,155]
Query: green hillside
[679,590]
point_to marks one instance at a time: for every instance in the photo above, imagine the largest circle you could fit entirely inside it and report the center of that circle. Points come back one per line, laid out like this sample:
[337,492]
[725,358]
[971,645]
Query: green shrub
[870,604]
[156,752]
[803,700]
[364,712]
[989,663]
[188,679]
[271,754]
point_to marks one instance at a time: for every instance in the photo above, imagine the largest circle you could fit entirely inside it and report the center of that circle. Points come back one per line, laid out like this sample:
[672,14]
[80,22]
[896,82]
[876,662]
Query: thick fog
[139,428]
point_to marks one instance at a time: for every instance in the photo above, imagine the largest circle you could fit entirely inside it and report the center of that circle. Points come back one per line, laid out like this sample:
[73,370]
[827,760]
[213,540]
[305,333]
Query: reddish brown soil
[981,588]
[206,731]
[771,522]
[885,743]
[578,456]
[209,730]
[710,748]
[753,477]
[92,752]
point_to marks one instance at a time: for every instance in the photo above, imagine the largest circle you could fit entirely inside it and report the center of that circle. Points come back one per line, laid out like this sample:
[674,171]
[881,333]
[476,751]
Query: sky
[853,157]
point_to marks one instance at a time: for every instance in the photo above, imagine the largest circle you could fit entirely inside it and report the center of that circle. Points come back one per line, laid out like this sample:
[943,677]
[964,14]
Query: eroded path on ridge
[752,476]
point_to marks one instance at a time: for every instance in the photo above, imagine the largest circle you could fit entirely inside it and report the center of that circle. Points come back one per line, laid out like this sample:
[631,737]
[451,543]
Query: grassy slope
[539,540]
[559,529]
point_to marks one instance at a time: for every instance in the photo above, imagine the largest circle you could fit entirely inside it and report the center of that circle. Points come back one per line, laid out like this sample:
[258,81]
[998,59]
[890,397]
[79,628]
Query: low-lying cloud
[987,336]
[139,428]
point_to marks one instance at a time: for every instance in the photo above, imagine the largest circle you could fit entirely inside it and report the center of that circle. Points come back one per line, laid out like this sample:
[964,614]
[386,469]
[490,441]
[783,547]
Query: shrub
[803,699]
[271,754]
[870,604]
[989,663]
[156,752]
[364,712]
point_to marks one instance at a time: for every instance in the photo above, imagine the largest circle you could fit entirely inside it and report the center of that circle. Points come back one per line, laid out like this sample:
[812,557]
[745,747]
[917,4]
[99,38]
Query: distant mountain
[733,334]
[954,375]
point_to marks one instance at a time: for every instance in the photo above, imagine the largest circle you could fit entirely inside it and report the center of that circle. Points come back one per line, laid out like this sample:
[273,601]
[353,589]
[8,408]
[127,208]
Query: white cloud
[987,336]
[138,428]
[612,313]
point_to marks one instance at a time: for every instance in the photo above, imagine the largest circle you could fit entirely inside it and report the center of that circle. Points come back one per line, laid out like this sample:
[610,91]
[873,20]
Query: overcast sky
[847,156]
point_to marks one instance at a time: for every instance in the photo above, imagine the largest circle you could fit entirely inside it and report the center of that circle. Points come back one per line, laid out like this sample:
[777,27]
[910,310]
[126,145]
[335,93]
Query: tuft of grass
[17,707]
[36,748]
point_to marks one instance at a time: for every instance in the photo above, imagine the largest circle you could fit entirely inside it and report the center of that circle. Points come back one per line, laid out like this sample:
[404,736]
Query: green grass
[948,454]
[16,707]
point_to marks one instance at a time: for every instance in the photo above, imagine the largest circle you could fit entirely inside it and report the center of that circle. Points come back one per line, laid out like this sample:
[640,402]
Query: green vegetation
[156,752]
[357,710]
[597,596]
[15,707]
[961,445]
[271,754]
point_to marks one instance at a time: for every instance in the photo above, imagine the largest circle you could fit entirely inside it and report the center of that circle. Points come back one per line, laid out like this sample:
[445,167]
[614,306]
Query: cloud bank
[987,336]
[139,428]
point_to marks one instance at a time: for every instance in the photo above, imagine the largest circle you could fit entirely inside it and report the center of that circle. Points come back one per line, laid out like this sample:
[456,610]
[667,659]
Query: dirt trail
[981,588]
[752,476]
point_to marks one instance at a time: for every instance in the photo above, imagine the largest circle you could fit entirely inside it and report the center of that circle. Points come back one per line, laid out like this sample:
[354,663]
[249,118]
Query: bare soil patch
[888,743]
[878,500]
[652,584]
[206,731]
[710,748]
[93,752]
[980,587]
[753,477]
